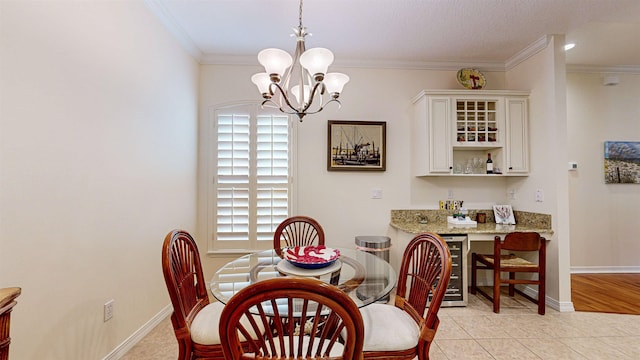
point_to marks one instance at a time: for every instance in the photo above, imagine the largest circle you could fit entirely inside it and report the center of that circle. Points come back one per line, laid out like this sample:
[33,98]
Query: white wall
[604,217]
[98,127]
[544,75]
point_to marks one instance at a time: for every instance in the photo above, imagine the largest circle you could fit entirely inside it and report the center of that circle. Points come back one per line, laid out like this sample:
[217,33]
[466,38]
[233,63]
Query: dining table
[365,277]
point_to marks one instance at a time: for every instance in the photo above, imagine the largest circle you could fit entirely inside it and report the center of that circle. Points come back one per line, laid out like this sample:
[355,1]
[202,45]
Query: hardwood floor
[611,293]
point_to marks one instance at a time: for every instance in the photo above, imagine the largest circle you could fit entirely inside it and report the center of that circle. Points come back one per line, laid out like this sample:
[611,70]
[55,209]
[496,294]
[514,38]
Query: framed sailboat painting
[356,145]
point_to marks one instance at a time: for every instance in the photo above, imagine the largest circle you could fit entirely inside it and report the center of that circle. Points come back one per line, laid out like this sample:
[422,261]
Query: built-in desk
[405,224]
[419,221]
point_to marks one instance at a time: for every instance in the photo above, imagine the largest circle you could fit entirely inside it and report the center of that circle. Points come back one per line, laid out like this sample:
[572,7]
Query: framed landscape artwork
[356,145]
[622,162]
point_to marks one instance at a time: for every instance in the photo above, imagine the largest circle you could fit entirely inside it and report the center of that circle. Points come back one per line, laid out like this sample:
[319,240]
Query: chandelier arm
[275,105]
[283,95]
[322,107]
[312,95]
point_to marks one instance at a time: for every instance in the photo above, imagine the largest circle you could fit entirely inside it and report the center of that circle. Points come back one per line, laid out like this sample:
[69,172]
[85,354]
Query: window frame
[233,247]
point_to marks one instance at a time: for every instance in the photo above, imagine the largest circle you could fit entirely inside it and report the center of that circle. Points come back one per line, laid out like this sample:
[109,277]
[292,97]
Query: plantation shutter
[252,177]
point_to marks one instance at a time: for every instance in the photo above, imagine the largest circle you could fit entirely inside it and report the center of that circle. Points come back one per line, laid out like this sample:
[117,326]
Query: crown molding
[618,69]
[527,52]
[420,65]
[212,59]
[161,12]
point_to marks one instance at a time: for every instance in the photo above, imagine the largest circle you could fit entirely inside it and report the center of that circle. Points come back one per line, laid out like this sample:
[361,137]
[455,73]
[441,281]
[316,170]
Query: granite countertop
[411,221]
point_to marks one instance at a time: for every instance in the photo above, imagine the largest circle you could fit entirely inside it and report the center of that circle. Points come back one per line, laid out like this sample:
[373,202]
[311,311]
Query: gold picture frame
[356,145]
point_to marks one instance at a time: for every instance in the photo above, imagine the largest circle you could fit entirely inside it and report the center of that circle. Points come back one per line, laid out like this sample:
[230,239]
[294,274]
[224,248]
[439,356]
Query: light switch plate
[376,193]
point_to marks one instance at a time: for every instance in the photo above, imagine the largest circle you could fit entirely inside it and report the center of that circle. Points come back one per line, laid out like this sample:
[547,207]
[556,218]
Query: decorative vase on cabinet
[451,128]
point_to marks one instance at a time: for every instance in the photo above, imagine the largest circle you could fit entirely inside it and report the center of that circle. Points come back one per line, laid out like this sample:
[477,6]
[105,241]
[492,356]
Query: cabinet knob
[450,167]
[510,168]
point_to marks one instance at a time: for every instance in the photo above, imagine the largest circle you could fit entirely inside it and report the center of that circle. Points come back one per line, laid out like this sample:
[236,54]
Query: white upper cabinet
[453,131]
[431,142]
[517,145]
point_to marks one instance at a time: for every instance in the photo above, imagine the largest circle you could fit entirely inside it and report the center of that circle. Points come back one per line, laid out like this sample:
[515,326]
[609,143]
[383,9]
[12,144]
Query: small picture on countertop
[504,214]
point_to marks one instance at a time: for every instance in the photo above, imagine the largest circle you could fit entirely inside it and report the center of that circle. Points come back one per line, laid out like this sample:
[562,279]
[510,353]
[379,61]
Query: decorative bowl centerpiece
[311,257]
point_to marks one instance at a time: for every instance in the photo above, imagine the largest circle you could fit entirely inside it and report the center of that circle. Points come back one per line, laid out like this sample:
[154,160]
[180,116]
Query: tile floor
[475,332]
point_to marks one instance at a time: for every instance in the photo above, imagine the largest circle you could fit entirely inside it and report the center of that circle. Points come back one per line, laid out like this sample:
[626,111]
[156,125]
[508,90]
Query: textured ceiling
[409,32]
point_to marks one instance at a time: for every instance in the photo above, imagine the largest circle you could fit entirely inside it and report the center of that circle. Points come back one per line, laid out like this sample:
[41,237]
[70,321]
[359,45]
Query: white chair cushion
[204,328]
[388,328]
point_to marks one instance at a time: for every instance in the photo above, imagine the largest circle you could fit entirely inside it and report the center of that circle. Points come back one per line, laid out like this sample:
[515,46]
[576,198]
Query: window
[252,182]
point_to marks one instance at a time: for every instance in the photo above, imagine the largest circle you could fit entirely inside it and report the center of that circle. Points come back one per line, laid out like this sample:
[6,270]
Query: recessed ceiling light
[569,46]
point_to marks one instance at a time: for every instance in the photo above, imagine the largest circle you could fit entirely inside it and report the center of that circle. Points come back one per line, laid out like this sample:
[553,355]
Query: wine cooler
[457,294]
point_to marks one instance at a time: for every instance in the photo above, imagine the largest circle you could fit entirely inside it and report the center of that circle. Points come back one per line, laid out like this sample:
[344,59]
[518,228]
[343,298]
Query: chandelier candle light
[306,73]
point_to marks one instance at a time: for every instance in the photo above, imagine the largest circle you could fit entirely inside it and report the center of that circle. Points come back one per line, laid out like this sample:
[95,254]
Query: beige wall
[98,128]
[604,217]
[544,74]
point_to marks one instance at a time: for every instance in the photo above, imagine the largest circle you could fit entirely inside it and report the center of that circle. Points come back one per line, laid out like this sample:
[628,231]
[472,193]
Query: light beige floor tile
[481,327]
[551,349]
[463,349]
[630,346]
[159,344]
[507,349]
[449,329]
[435,353]
[594,349]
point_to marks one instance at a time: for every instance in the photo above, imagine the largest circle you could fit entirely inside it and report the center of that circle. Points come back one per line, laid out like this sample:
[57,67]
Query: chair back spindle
[297,231]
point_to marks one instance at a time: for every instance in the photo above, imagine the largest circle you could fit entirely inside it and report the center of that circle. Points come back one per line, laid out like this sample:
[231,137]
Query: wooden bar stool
[500,262]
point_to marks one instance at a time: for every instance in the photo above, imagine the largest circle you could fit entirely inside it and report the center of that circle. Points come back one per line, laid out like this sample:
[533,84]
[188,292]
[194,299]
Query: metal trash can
[378,246]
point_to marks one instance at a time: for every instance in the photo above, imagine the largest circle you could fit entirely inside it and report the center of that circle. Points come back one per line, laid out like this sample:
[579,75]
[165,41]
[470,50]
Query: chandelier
[304,76]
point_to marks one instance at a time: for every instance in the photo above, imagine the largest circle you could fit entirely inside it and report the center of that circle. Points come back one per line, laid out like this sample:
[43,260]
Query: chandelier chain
[300,16]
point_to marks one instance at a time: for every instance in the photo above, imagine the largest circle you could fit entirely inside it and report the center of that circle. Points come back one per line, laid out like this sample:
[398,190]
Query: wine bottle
[489,164]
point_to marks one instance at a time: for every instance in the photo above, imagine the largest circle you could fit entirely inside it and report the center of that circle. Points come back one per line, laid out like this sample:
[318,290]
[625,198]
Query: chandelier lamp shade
[294,84]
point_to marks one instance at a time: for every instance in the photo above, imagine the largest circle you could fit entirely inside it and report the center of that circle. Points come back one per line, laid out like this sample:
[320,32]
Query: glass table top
[367,278]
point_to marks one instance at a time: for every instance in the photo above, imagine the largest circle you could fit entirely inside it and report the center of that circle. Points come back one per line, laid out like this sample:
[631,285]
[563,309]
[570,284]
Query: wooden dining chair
[305,318]
[405,328]
[195,320]
[297,231]
[7,302]
[500,262]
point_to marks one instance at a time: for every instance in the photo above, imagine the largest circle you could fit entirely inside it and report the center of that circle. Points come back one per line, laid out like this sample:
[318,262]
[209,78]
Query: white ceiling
[410,33]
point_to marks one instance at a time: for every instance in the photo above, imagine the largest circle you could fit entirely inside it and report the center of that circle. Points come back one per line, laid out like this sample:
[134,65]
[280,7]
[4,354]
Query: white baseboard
[132,340]
[604,269]
[566,306]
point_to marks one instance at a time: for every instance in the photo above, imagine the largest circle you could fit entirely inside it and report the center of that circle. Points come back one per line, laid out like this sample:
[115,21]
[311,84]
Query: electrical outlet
[450,194]
[108,310]
[512,194]
[539,195]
